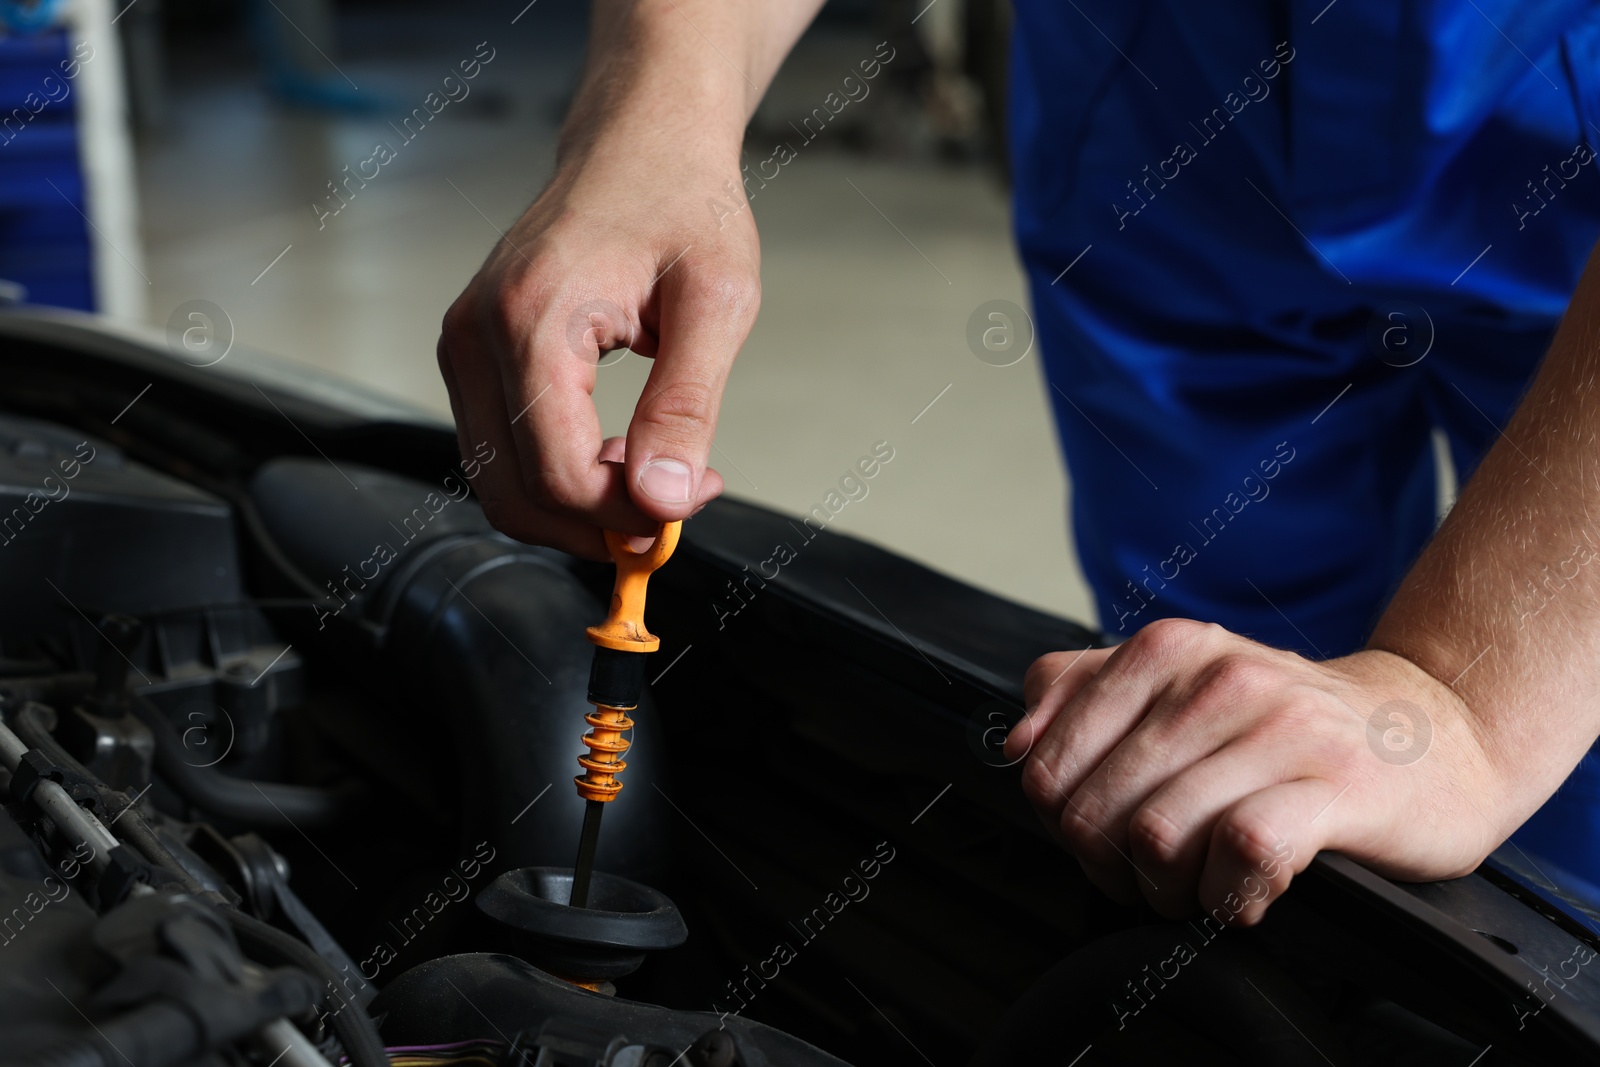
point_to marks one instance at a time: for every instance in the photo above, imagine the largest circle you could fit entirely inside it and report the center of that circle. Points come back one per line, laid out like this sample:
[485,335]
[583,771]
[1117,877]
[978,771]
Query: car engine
[287,751]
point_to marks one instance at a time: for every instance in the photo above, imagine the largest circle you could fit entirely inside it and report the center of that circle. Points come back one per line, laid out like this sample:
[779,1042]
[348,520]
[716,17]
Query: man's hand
[624,255]
[643,240]
[1176,764]
[1190,764]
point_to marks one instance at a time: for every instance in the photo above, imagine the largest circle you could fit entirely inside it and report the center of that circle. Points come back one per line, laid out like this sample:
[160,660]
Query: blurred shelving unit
[69,230]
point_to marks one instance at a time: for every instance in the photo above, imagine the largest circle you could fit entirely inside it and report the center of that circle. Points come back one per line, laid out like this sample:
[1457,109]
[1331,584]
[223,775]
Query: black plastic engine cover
[84,530]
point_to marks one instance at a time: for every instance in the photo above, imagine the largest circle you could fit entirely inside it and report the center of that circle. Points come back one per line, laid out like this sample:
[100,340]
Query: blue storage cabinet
[44,238]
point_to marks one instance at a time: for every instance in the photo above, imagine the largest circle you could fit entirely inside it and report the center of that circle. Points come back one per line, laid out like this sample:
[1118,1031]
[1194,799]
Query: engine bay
[288,747]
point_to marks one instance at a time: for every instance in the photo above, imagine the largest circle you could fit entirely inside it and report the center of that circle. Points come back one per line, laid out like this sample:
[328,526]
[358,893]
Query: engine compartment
[330,675]
[318,709]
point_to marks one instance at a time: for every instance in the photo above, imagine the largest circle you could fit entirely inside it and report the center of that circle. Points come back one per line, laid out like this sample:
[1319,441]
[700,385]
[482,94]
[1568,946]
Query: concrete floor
[861,328]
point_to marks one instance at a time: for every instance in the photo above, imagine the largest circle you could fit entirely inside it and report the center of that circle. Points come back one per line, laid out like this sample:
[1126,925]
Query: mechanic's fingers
[475,400]
[499,483]
[1260,843]
[1083,732]
[1111,703]
[706,310]
[458,408]
[1053,680]
[614,450]
[1192,748]
[1084,832]
[1131,791]
[548,382]
[1169,830]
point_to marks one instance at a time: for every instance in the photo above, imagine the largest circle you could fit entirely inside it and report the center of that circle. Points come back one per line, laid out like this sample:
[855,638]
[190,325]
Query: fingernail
[667,480]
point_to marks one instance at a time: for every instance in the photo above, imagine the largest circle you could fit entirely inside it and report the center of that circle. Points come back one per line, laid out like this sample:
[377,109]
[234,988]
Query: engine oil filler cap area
[606,940]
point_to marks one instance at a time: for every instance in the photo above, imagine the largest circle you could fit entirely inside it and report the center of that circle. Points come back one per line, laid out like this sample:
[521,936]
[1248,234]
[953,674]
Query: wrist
[642,150]
[647,98]
[654,144]
[1421,672]
[1434,655]
[624,164]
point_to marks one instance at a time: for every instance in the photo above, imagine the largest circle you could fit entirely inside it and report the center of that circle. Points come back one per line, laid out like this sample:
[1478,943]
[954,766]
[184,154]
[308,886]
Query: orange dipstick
[624,631]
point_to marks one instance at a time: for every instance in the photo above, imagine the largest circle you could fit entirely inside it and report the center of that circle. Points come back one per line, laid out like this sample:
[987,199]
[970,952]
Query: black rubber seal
[616,678]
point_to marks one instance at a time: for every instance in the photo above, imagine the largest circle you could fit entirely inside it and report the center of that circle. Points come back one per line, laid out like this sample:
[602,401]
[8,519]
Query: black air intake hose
[483,637]
[240,799]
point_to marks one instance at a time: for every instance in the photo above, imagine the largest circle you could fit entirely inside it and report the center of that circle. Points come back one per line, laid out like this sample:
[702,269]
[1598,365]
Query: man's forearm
[1504,605]
[690,70]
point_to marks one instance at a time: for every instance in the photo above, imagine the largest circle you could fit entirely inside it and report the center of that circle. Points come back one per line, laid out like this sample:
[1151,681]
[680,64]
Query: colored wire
[484,1052]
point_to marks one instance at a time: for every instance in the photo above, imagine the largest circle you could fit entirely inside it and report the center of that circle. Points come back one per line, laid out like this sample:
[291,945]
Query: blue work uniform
[1271,247]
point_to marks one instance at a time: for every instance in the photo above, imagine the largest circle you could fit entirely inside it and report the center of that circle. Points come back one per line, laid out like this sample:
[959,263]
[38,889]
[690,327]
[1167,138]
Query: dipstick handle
[623,628]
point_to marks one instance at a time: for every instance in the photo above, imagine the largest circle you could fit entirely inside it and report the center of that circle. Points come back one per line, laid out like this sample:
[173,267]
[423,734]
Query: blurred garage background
[163,156]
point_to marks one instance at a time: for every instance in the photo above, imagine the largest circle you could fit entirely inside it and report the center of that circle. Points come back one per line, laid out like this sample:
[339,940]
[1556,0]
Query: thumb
[704,319]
